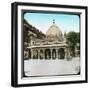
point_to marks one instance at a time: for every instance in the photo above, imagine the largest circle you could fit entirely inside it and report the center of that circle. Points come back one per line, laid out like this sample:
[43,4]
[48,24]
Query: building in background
[38,45]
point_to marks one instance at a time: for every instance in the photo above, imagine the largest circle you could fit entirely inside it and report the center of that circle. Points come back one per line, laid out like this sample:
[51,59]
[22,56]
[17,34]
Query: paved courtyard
[51,67]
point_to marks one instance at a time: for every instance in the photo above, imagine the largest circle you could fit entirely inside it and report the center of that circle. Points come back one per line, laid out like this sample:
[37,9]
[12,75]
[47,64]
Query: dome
[54,32]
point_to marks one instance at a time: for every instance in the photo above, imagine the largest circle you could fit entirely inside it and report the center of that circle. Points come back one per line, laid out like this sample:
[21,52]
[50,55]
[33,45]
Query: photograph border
[14,43]
[44,12]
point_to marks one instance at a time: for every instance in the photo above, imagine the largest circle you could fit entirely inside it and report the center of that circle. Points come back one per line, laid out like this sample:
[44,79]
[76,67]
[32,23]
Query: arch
[53,54]
[61,53]
[41,54]
[47,54]
[35,54]
[26,54]
[30,53]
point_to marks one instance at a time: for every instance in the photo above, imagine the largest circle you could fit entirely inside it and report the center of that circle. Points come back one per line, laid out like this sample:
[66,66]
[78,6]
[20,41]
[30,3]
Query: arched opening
[26,54]
[41,54]
[47,54]
[53,54]
[35,54]
[61,53]
[29,53]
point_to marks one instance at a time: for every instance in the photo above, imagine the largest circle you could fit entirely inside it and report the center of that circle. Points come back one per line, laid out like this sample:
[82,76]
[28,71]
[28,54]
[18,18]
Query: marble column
[31,53]
[51,52]
[43,53]
[39,53]
[56,53]
[65,50]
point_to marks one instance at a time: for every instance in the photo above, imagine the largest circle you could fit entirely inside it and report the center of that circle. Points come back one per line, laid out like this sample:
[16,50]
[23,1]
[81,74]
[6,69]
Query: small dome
[54,32]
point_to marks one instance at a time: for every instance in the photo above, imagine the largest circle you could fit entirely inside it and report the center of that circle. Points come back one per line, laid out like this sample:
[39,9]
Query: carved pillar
[31,53]
[65,50]
[51,52]
[43,53]
[56,53]
[39,53]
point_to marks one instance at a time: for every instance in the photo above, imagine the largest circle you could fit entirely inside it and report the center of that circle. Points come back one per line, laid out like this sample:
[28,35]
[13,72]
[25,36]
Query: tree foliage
[72,39]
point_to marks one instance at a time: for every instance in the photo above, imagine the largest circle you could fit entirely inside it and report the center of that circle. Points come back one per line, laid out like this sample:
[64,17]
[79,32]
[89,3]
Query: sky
[42,21]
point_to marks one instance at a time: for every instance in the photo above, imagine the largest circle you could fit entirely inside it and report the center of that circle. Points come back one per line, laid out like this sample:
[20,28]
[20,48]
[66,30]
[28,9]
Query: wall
[5,46]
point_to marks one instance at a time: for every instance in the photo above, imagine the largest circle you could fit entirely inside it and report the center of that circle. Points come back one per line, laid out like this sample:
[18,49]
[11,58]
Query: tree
[78,43]
[72,39]
[78,37]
